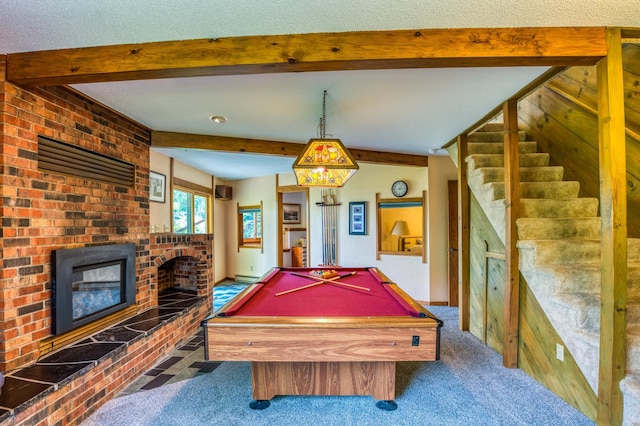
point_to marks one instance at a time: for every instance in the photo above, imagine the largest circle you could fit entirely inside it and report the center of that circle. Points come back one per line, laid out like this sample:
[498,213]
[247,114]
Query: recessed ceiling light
[218,119]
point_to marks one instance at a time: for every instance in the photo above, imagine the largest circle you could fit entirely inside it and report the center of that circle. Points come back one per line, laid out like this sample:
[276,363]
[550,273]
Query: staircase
[559,243]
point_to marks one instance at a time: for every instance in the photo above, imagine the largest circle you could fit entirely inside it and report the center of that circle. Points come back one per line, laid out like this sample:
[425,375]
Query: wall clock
[399,188]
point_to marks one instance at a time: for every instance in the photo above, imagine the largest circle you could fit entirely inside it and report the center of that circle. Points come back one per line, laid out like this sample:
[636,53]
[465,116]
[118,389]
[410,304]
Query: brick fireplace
[43,211]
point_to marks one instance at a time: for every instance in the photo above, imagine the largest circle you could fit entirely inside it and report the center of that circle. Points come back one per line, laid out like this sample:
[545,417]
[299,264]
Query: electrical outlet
[559,351]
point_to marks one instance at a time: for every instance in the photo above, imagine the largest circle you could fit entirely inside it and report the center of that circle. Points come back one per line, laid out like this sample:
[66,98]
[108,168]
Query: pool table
[327,335]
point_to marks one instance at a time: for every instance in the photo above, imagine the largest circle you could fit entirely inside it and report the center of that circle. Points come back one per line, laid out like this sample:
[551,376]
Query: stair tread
[554,228]
[527,159]
[595,220]
[521,168]
[527,174]
[495,148]
[491,127]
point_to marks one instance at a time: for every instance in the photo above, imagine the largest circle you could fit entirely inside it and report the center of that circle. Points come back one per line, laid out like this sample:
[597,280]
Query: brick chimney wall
[42,211]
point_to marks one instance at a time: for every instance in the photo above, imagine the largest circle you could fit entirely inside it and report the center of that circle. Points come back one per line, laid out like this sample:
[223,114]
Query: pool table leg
[387,405]
[259,404]
[375,378]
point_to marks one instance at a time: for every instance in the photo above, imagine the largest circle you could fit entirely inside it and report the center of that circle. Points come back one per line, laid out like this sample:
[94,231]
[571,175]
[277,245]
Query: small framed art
[290,213]
[358,218]
[157,187]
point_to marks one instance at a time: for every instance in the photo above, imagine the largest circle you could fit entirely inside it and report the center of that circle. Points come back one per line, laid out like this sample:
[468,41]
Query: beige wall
[409,272]
[441,170]
[160,213]
[221,245]
[424,281]
[251,261]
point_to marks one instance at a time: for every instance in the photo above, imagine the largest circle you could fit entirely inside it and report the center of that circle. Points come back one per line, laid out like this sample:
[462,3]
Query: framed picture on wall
[358,218]
[157,187]
[290,213]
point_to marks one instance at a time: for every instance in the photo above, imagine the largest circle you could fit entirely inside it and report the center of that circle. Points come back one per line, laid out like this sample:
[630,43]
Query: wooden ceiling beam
[266,147]
[424,48]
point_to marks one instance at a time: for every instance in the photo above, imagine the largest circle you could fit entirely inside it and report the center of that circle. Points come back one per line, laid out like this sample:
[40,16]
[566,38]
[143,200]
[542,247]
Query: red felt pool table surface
[295,292]
[325,339]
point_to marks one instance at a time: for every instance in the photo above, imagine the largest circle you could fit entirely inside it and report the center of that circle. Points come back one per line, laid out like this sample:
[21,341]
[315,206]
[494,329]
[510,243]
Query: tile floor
[184,363]
[188,360]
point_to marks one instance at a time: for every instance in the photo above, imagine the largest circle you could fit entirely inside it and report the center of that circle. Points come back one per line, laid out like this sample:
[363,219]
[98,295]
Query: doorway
[293,226]
[452,186]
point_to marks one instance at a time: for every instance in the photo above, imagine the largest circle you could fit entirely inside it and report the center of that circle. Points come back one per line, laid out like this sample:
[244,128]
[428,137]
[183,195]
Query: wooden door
[453,242]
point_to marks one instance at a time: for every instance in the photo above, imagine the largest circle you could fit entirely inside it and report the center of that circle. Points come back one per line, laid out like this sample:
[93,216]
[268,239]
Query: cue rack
[329,206]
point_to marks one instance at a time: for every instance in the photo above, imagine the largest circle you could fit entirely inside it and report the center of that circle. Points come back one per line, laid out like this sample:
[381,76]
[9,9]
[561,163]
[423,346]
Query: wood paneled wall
[537,337]
[537,357]
[562,117]
[486,294]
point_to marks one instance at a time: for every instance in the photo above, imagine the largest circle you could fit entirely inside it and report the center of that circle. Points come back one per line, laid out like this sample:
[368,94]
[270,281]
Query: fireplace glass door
[96,287]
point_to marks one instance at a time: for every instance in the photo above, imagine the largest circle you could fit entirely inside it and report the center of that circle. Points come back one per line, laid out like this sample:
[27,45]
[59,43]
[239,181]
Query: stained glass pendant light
[324,162]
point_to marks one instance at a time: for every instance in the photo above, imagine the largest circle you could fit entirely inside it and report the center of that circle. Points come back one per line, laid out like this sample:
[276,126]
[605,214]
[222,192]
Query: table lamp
[400,228]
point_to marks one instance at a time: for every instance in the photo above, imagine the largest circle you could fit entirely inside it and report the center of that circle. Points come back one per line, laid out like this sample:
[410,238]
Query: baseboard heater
[245,279]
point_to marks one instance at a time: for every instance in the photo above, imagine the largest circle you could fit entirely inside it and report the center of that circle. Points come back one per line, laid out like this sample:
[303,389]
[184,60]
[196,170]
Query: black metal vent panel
[59,157]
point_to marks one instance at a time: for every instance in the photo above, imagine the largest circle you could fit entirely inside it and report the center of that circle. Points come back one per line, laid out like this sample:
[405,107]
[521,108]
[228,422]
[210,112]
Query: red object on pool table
[346,335]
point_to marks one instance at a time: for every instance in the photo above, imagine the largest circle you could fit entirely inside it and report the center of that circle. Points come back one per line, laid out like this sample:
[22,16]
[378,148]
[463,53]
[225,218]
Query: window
[401,226]
[190,212]
[250,226]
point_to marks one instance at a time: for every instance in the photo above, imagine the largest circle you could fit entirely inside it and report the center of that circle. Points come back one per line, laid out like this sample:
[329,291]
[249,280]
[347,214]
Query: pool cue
[328,236]
[332,235]
[323,223]
[329,259]
[334,209]
[300,288]
[333,280]
[321,281]
[322,211]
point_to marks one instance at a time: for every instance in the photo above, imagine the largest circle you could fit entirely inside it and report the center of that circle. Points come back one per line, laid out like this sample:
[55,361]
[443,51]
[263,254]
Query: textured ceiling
[408,111]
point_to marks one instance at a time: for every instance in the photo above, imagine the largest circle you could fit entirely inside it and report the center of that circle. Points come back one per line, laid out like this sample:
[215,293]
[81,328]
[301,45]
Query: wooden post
[464,238]
[613,210]
[512,213]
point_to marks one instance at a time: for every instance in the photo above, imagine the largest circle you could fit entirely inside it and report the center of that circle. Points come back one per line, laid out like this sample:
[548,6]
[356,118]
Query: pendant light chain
[323,119]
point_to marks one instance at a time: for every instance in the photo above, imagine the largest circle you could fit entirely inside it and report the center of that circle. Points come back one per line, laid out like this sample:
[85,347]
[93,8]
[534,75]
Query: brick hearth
[66,386]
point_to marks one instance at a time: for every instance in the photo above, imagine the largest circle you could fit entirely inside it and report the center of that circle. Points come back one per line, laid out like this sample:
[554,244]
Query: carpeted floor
[467,386]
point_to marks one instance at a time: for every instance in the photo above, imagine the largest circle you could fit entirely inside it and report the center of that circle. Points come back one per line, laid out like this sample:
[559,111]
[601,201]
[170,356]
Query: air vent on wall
[59,157]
